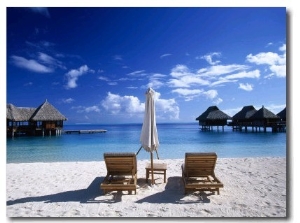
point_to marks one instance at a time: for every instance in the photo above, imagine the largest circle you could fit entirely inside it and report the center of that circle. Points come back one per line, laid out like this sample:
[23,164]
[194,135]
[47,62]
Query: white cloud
[166,108]
[155,81]
[155,84]
[183,77]
[132,87]
[246,87]
[158,75]
[31,65]
[283,48]
[278,70]
[83,109]
[177,83]
[43,63]
[217,101]
[68,100]
[221,70]
[269,44]
[73,75]
[221,81]
[45,58]
[137,73]
[116,104]
[276,62]
[102,78]
[165,55]
[250,74]
[209,58]
[188,94]
[211,94]
[179,71]
[92,109]
[131,106]
[185,80]
[269,58]
[109,82]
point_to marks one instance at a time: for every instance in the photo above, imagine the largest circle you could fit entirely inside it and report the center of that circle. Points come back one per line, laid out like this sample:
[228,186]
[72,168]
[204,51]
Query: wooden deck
[91,131]
[276,127]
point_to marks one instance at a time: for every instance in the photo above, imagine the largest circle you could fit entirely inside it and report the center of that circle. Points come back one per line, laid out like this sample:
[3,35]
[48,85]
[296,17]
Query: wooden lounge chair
[198,172]
[121,172]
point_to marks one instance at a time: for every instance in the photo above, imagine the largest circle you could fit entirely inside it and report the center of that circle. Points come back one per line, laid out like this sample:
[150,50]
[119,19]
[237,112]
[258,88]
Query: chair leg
[147,175]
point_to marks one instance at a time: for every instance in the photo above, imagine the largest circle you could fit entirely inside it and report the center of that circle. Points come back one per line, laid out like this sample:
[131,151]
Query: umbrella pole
[152,174]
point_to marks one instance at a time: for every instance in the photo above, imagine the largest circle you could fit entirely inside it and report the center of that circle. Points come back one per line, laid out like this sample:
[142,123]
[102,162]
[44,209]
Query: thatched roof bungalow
[213,116]
[34,121]
[282,114]
[18,114]
[241,119]
[265,118]
[264,114]
[244,114]
[281,126]
[46,112]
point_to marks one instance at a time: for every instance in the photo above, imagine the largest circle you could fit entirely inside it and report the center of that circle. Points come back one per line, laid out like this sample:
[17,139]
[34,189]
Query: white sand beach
[253,187]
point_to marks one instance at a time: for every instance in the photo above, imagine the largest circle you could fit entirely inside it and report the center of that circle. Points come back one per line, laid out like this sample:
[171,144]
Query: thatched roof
[264,113]
[282,114]
[245,113]
[45,112]
[213,113]
[18,114]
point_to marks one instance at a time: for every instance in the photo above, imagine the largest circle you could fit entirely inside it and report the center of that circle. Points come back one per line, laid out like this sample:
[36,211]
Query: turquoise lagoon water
[175,140]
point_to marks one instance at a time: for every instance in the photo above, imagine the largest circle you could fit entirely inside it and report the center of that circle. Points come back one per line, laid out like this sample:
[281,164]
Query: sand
[253,187]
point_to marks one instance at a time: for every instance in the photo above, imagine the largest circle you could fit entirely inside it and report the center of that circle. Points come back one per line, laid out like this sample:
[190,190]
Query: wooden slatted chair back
[200,164]
[120,163]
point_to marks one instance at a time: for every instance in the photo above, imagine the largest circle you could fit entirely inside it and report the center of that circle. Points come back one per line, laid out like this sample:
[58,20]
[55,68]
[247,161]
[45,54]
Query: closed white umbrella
[149,136]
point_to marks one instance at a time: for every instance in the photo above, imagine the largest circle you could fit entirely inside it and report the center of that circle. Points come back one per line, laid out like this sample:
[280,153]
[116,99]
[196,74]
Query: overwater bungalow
[282,115]
[213,116]
[282,122]
[264,118]
[242,119]
[44,120]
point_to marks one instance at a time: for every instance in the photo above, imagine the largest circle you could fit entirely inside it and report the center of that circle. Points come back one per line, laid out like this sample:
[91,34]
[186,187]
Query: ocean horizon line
[131,123]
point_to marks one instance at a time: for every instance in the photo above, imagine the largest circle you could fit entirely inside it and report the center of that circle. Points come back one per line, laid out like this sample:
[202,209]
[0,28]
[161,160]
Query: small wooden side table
[158,168]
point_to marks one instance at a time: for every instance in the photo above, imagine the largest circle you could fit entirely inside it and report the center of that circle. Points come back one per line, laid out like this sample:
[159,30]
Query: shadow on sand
[83,195]
[173,193]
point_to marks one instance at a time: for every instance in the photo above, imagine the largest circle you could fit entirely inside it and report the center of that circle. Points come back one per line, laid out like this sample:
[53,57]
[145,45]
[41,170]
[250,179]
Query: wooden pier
[92,131]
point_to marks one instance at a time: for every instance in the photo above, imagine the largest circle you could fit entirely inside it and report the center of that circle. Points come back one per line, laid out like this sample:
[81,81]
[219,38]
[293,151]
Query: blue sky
[94,64]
